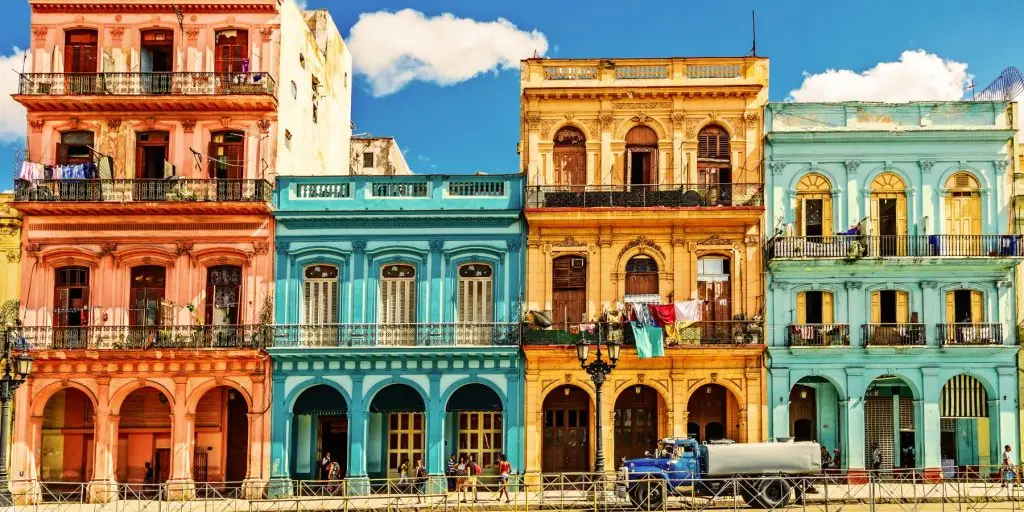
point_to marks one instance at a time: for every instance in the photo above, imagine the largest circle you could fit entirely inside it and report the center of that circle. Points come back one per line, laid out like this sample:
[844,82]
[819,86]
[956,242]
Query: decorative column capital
[1004,283]
[359,245]
[777,167]
[853,285]
[1001,165]
[513,245]
[929,284]
[926,165]
[437,245]
[852,166]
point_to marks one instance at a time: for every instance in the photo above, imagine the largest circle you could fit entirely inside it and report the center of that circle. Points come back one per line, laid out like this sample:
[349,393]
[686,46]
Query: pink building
[156,128]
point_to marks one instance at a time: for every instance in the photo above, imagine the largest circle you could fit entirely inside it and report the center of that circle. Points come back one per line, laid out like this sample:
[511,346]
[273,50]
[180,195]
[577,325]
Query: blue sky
[473,125]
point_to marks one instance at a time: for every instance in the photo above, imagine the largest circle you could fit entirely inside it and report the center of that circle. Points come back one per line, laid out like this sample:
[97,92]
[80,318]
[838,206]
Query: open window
[231,51]
[814,207]
[156,60]
[714,287]
[80,51]
[641,156]
[75,147]
[714,167]
[814,307]
[888,215]
[965,307]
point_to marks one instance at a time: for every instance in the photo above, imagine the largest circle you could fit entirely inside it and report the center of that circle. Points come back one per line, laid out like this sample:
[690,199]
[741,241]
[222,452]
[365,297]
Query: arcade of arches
[887,429]
[86,428]
[641,404]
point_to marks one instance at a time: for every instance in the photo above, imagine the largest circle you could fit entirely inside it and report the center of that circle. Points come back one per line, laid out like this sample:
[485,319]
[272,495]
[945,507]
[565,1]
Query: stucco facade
[10,249]
[615,176]
[397,299]
[899,333]
[147,269]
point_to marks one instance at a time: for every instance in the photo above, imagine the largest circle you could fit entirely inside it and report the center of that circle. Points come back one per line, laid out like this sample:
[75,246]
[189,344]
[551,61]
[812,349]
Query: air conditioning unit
[577,263]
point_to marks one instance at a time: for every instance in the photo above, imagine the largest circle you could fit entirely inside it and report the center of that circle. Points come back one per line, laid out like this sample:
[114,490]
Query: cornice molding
[123,6]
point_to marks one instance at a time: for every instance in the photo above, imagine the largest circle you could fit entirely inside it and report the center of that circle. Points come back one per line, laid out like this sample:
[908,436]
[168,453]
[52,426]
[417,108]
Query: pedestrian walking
[460,479]
[473,476]
[1009,466]
[451,472]
[419,479]
[403,477]
[504,469]
[826,459]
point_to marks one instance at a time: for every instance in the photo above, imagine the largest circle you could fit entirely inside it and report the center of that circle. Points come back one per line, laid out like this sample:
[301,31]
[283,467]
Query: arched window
[223,294]
[476,294]
[570,156]
[713,156]
[963,205]
[398,294]
[71,297]
[641,276]
[888,215]
[569,283]
[641,156]
[814,206]
[320,295]
[146,308]
[714,287]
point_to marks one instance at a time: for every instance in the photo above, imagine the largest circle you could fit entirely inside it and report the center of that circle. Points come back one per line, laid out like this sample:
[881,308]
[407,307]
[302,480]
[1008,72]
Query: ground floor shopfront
[947,411]
[109,417]
[706,393]
[371,410]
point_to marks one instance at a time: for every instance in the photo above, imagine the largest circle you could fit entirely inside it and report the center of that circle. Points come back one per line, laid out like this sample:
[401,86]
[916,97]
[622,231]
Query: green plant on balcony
[9,312]
[854,252]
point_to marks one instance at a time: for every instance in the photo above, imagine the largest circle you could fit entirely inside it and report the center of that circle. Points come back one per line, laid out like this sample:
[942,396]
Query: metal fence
[144,190]
[141,337]
[644,196]
[397,335]
[852,247]
[906,491]
[189,83]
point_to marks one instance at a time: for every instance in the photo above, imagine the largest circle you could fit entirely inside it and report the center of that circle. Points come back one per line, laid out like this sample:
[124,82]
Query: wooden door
[569,294]
[162,465]
[570,165]
[80,51]
[481,435]
[636,422]
[566,441]
[231,51]
[717,306]
[405,440]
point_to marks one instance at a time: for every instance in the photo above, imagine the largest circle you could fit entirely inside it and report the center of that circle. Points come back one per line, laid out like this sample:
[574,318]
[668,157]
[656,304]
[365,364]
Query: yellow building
[10,249]
[644,184]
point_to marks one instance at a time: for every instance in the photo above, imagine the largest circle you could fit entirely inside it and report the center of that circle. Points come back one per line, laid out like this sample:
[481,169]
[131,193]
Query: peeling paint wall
[387,157]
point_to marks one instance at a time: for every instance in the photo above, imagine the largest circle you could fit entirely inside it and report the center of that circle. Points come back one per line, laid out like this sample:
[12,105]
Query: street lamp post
[598,369]
[15,370]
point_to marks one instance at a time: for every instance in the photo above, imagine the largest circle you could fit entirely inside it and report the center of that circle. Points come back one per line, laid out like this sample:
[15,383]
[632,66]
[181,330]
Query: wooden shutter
[950,308]
[801,307]
[902,311]
[977,307]
[320,301]
[826,216]
[876,307]
[211,157]
[398,300]
[975,209]
[166,312]
[63,154]
[801,222]
[476,300]
[827,316]
[901,225]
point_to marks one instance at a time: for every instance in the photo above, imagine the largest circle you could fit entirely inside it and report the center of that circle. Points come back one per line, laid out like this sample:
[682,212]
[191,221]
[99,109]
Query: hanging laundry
[643,343]
[655,342]
[688,310]
[641,314]
[663,314]
[105,168]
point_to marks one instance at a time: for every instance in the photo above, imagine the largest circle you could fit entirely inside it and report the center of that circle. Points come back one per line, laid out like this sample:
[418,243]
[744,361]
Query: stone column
[607,160]
[857,314]
[255,478]
[928,425]
[532,423]
[358,281]
[1007,411]
[853,449]
[678,406]
[436,289]
[103,486]
[358,423]
[434,453]
[931,308]
[779,397]
[181,486]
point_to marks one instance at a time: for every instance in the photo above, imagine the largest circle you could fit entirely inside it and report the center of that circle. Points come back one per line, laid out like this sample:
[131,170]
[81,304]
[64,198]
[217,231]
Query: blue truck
[765,475]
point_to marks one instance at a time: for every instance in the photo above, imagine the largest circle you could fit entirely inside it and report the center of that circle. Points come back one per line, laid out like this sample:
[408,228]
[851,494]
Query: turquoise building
[890,282]
[397,299]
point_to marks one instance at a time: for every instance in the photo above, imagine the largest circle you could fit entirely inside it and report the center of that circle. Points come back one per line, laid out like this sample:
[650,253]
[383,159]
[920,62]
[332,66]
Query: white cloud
[917,76]
[12,114]
[393,49]
[303,4]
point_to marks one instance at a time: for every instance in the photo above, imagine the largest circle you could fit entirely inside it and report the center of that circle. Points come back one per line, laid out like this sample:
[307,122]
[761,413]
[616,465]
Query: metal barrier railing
[906,489]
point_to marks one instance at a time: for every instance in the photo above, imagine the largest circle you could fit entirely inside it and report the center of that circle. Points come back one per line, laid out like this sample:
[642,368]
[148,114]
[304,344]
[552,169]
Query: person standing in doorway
[876,457]
[148,479]
[325,463]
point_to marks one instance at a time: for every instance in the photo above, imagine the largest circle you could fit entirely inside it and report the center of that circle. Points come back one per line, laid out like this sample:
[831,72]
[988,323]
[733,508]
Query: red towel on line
[663,314]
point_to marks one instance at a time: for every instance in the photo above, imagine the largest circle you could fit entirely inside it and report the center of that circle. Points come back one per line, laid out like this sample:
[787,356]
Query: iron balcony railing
[397,335]
[146,84]
[852,247]
[144,190]
[141,337]
[733,332]
[644,196]
[818,335]
[894,335]
[968,334]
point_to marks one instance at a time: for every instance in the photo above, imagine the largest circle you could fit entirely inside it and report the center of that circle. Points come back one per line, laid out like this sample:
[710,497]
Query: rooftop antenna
[753,33]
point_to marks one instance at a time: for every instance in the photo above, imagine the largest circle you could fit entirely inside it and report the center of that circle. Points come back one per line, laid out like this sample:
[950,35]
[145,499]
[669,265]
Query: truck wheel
[772,494]
[647,495]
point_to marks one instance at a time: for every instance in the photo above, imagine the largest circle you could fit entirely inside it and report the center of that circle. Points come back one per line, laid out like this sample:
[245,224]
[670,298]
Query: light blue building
[890,281]
[399,338]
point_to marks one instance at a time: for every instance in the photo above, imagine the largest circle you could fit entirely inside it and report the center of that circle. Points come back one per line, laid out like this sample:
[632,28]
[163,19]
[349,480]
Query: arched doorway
[641,276]
[637,416]
[67,447]
[569,293]
[566,441]
[144,437]
[888,215]
[814,414]
[814,207]
[890,426]
[713,414]
[397,430]
[570,156]
[641,156]
[221,437]
[319,431]
[967,426]
[475,411]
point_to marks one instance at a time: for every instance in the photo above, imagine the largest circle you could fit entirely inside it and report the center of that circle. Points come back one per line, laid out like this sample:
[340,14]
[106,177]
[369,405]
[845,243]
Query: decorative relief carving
[926,165]
[79,19]
[436,245]
[261,248]
[514,244]
[267,33]
[107,248]
[749,240]
[225,121]
[929,284]
[359,245]
[32,248]
[39,33]
[854,285]
[851,166]
[641,118]
[691,128]
[13,255]
[189,125]
[641,242]
[606,119]
[116,33]
[546,126]
[777,167]
[569,116]
[569,241]
[113,123]
[150,122]
[714,240]
[183,248]
[594,125]
[1001,165]
[263,125]
[192,33]
[36,124]
[642,105]
[751,119]
[532,120]
[73,122]
[1003,283]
